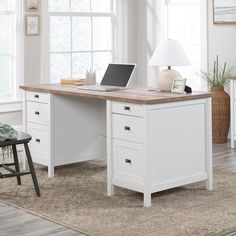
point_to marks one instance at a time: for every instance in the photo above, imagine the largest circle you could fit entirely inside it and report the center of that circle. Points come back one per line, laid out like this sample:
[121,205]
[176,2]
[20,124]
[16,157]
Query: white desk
[152,141]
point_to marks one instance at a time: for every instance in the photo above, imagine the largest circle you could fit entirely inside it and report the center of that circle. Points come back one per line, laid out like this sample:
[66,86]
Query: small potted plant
[217,77]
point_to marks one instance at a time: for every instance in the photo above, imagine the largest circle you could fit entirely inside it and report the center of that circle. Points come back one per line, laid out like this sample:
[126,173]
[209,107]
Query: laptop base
[101,88]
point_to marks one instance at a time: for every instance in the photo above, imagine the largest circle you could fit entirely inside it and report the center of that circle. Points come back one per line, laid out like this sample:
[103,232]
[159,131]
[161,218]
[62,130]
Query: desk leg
[110,186]
[110,190]
[50,171]
[147,200]
[209,182]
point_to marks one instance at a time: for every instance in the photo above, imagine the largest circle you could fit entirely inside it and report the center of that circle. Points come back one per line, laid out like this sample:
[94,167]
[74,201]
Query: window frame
[46,52]
[15,54]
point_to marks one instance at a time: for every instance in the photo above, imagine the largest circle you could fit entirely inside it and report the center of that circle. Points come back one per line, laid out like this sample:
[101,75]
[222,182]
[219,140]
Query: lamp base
[165,79]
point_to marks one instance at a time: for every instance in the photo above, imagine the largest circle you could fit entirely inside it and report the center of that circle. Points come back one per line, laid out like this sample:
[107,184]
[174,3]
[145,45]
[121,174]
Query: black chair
[22,138]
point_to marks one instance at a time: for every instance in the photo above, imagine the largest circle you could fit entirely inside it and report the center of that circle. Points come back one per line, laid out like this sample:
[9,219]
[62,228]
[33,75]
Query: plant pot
[220,115]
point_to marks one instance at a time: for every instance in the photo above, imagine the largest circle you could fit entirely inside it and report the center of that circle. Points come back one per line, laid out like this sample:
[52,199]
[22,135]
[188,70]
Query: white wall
[32,61]
[221,41]
[32,56]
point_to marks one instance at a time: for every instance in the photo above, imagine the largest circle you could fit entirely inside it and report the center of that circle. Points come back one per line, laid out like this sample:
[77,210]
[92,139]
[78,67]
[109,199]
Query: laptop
[116,77]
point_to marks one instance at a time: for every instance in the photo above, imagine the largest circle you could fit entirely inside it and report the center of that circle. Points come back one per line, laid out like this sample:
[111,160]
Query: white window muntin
[92,51]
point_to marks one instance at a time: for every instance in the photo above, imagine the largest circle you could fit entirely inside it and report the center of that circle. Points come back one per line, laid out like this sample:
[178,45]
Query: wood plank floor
[19,223]
[16,222]
[224,158]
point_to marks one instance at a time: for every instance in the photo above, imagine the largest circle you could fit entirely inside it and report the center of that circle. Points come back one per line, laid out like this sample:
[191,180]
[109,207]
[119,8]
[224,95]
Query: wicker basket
[220,115]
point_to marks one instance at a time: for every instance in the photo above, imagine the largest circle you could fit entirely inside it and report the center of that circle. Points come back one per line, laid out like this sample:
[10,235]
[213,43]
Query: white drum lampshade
[168,53]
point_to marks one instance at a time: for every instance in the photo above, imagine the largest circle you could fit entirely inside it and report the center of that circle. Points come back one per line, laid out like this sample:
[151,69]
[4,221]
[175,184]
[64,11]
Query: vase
[165,79]
[220,115]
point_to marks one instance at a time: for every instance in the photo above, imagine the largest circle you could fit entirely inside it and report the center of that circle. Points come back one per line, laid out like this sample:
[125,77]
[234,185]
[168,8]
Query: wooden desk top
[134,95]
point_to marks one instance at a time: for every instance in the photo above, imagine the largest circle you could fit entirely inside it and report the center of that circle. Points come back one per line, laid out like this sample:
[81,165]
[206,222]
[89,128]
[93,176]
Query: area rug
[77,197]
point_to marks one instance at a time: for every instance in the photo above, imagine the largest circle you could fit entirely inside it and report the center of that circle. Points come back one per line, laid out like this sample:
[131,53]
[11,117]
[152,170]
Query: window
[81,37]
[10,74]
[185,24]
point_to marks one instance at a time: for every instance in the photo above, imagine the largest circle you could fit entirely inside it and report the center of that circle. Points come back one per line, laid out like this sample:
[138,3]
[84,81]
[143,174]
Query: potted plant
[217,77]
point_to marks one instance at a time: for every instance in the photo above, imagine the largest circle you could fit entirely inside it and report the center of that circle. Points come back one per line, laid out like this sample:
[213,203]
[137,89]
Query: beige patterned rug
[76,197]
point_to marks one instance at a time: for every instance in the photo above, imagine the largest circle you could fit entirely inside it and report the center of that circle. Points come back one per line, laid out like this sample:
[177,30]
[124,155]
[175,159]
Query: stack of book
[69,81]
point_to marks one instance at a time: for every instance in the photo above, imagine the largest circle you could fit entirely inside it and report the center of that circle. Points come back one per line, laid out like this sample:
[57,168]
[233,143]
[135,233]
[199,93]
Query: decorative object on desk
[32,5]
[224,11]
[187,89]
[178,85]
[90,78]
[32,25]
[217,77]
[168,53]
[69,81]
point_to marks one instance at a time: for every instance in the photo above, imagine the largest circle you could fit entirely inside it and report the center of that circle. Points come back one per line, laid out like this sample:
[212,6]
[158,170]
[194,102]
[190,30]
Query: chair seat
[21,138]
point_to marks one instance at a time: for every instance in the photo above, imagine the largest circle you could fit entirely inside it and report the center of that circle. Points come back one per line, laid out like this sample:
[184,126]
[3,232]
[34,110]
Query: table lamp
[168,53]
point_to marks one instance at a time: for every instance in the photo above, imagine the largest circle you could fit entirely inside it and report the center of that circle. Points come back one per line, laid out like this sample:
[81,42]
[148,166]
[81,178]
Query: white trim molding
[13,106]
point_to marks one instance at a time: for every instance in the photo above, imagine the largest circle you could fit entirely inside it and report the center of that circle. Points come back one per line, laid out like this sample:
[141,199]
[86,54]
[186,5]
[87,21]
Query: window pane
[60,67]
[81,31]
[60,35]
[80,5]
[59,5]
[101,61]
[5,75]
[81,63]
[5,5]
[5,29]
[101,6]
[102,35]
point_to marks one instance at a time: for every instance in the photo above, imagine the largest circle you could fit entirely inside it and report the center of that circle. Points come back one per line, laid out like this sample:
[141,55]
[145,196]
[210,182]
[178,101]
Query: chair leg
[16,161]
[31,167]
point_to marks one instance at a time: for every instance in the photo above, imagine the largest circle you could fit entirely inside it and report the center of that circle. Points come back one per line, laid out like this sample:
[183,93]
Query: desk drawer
[127,109]
[39,145]
[38,97]
[127,161]
[128,128]
[38,113]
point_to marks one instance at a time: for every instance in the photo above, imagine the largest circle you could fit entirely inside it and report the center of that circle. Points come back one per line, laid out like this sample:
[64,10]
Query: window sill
[10,106]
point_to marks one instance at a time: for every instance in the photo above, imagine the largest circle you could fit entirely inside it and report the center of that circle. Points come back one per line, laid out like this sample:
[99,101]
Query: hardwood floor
[19,223]
[16,222]
[224,158]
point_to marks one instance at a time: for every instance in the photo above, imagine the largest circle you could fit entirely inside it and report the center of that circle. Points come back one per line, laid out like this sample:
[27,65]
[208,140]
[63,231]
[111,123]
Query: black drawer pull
[128,161]
[127,128]
[37,113]
[37,140]
[127,108]
[36,96]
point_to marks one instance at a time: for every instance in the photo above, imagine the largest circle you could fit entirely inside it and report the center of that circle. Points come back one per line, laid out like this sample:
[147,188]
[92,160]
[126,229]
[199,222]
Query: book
[73,81]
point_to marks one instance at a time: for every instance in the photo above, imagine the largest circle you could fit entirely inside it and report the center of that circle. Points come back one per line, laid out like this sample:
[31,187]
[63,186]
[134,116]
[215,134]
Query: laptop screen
[118,75]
